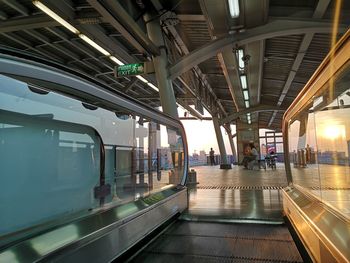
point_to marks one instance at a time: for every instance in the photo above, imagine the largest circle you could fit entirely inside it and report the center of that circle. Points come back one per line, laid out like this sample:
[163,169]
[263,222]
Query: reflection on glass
[271,143]
[51,150]
[319,143]
[54,239]
[9,256]
[303,150]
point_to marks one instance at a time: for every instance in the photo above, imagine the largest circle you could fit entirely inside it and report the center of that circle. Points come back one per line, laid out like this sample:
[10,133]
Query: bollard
[192,177]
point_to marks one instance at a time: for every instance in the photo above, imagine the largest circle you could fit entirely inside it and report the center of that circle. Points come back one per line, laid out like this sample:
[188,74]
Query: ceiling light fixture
[246,94]
[117,61]
[247,104]
[56,17]
[244,81]
[94,44]
[153,86]
[142,79]
[88,40]
[249,118]
[234,8]
[240,58]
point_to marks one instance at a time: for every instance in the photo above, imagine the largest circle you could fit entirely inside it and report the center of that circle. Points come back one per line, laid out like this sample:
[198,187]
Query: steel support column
[233,148]
[224,164]
[165,85]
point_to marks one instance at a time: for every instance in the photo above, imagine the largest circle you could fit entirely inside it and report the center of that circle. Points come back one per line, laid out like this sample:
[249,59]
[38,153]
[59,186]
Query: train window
[51,148]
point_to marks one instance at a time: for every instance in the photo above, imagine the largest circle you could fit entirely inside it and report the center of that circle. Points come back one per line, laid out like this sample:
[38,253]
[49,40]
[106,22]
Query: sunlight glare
[334,131]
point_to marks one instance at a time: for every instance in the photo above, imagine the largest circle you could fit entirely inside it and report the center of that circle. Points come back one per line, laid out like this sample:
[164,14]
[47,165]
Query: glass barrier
[319,143]
[51,152]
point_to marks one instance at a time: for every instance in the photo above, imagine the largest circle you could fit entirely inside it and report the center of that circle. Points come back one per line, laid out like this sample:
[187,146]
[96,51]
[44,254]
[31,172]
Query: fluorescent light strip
[56,17]
[240,58]
[247,103]
[147,82]
[234,8]
[244,81]
[246,94]
[88,40]
[142,79]
[117,61]
[153,86]
[95,45]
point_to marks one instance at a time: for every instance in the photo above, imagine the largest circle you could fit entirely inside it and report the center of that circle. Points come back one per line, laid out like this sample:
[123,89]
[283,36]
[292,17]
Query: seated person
[251,154]
[247,154]
[255,157]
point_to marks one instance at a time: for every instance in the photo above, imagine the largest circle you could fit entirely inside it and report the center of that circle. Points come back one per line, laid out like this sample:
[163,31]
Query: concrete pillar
[165,85]
[224,164]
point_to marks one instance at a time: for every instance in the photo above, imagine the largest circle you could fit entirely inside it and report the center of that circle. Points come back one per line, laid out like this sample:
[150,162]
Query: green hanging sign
[134,69]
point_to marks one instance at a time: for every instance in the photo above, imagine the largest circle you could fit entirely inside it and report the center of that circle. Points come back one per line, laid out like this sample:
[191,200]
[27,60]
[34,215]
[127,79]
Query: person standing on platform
[211,156]
[308,154]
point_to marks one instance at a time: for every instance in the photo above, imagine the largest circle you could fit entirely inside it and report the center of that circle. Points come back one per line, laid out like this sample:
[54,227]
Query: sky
[201,135]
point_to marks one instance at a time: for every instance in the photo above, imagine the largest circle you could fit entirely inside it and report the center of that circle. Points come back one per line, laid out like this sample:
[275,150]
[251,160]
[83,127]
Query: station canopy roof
[236,58]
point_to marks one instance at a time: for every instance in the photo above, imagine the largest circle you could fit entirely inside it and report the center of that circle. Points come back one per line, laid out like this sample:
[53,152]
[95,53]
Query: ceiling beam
[82,48]
[130,85]
[258,108]
[192,111]
[194,119]
[98,34]
[189,17]
[201,77]
[113,13]
[28,45]
[275,28]
[229,67]
[30,22]
[3,15]
[17,6]
[319,12]
[47,41]
[95,32]
[180,97]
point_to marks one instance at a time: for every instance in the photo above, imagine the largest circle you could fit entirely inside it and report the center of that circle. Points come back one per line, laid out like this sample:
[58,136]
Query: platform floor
[247,194]
[329,182]
[236,195]
[233,216]
[238,176]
